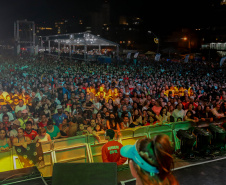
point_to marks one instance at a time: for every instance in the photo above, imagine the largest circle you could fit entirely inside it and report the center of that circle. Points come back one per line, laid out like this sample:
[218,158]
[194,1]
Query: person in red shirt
[111,150]
[29,132]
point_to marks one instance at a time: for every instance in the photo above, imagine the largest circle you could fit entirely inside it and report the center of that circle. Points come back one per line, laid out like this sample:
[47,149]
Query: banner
[186,58]
[128,55]
[157,57]
[30,156]
[222,61]
[136,55]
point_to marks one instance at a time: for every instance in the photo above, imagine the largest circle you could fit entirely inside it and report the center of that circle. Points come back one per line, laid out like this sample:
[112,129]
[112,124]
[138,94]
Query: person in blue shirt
[59,117]
[52,130]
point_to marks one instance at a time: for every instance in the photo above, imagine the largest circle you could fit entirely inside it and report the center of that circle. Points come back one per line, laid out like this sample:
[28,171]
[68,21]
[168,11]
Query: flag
[222,61]
[186,58]
[157,57]
[136,55]
[30,156]
[128,55]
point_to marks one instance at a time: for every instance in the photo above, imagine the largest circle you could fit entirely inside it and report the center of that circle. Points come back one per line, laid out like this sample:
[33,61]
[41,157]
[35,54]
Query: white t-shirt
[178,114]
[98,105]
[18,108]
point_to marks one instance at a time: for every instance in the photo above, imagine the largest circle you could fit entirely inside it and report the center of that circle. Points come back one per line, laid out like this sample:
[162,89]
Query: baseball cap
[130,151]
[15,122]
[25,111]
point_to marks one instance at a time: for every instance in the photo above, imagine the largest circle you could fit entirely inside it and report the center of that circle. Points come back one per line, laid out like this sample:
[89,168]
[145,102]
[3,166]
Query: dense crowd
[47,98]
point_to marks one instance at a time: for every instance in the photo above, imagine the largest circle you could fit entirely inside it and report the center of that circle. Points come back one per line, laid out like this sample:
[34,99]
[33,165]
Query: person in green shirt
[52,130]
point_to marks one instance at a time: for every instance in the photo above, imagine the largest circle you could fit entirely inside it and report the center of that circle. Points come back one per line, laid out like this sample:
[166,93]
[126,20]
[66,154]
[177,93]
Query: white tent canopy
[78,39]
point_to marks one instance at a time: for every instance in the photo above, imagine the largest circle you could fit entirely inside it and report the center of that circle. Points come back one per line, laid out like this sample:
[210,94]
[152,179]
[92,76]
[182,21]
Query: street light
[156,40]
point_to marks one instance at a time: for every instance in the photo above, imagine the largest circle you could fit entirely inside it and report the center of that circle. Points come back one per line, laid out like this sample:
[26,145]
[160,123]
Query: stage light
[203,140]
[187,142]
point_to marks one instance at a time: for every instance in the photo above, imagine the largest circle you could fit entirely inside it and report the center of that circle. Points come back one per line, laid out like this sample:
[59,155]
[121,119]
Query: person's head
[112,116]
[20,132]
[24,113]
[50,124]
[2,133]
[15,124]
[98,127]
[179,119]
[43,118]
[65,121]
[45,106]
[189,114]
[163,111]
[93,123]
[42,131]
[81,127]
[59,109]
[5,118]
[150,160]
[126,119]
[124,108]
[207,108]
[21,103]
[179,106]
[110,134]
[28,126]
[4,109]
[218,107]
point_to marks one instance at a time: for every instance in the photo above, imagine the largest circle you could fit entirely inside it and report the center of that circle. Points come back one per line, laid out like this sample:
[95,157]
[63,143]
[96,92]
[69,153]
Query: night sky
[158,14]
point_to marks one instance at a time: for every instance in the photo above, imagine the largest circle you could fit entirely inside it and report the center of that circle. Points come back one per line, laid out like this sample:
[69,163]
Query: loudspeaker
[84,173]
[24,176]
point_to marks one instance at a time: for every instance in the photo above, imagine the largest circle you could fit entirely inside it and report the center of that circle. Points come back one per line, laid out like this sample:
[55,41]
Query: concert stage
[196,171]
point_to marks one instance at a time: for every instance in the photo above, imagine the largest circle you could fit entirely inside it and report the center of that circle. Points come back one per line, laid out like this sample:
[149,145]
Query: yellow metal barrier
[69,142]
[78,153]
[140,131]
[6,161]
[86,148]
[95,151]
[92,140]
[154,130]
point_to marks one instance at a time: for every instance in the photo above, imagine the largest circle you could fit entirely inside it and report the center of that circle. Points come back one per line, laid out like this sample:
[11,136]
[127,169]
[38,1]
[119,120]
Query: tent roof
[80,39]
[150,53]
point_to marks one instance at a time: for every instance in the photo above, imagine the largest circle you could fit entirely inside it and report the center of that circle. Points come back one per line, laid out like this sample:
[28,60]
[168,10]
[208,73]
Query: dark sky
[158,14]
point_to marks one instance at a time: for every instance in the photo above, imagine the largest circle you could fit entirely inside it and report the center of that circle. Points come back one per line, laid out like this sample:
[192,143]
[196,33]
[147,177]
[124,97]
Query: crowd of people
[48,98]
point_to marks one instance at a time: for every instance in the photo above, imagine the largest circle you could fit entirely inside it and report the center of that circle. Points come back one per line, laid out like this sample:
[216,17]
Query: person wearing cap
[111,150]
[150,161]
[24,118]
[59,116]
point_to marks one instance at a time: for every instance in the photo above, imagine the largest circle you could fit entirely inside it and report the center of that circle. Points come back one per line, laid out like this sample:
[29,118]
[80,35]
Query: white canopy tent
[77,39]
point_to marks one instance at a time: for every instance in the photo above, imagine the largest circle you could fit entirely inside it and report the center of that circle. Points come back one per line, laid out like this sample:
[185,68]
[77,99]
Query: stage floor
[199,171]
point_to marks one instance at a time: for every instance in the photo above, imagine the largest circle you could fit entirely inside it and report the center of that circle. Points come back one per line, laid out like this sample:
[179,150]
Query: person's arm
[108,124]
[15,142]
[58,136]
[48,137]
